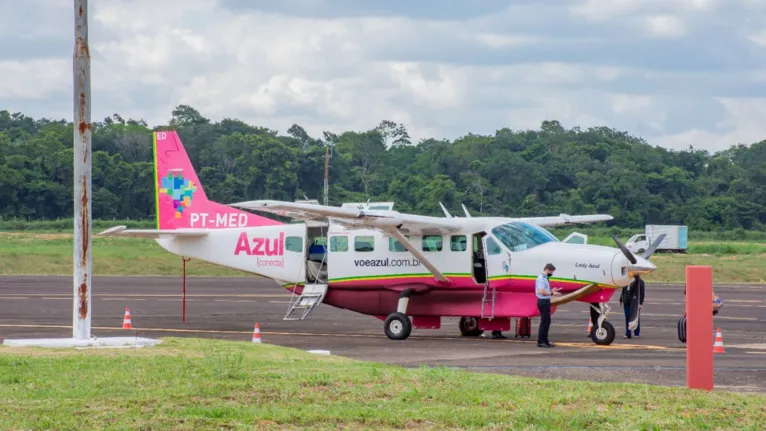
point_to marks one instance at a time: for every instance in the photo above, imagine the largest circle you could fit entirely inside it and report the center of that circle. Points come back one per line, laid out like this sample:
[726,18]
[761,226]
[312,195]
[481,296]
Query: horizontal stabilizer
[153,233]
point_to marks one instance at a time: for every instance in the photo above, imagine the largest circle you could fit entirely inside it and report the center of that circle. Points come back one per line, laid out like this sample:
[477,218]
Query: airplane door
[497,262]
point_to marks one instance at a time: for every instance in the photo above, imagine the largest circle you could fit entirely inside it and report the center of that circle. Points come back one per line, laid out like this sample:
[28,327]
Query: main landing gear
[397,325]
[603,332]
[469,327]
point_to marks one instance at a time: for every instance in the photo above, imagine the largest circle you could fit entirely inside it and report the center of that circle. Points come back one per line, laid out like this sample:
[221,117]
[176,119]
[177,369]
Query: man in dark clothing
[632,292]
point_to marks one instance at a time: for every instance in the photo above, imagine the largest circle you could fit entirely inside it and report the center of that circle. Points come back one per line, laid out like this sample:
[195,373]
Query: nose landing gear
[603,332]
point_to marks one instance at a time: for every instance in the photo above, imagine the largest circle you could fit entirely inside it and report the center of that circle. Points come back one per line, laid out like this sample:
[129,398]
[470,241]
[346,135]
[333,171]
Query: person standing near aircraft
[544,294]
[632,292]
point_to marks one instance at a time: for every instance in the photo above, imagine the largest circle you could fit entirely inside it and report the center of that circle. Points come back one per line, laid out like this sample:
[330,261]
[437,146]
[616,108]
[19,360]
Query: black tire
[640,251]
[397,326]
[604,336]
[469,327]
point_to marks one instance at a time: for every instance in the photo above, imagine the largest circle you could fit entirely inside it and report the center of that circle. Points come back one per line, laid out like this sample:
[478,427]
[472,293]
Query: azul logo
[256,246]
[180,189]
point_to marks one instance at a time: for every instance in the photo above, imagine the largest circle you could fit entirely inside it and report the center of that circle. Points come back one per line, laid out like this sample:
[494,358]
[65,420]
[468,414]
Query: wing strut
[573,296]
[408,245]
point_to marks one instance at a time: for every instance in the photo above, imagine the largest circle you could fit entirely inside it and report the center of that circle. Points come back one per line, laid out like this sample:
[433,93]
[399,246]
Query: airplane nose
[641,267]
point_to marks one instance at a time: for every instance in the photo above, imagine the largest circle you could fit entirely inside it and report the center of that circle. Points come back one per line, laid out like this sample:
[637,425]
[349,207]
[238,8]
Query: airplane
[407,270]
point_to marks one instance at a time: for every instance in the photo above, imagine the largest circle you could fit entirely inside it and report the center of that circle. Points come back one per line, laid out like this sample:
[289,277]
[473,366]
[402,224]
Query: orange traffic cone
[718,346]
[126,323]
[257,334]
[590,327]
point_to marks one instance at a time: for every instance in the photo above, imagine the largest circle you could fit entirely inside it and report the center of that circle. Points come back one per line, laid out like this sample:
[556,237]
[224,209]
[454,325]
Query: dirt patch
[38,235]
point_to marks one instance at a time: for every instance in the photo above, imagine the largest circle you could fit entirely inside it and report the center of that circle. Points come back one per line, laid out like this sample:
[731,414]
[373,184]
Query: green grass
[30,253]
[66,225]
[27,253]
[213,384]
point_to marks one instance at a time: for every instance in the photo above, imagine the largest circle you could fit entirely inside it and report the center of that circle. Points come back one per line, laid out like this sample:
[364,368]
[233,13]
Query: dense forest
[512,173]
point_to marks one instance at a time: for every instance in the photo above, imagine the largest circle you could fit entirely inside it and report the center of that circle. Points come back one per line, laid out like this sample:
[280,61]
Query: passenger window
[458,243]
[395,245]
[432,243]
[364,243]
[294,243]
[492,247]
[338,243]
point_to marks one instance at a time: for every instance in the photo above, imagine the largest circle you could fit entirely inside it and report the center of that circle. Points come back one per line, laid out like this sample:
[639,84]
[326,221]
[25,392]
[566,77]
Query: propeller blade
[625,251]
[649,251]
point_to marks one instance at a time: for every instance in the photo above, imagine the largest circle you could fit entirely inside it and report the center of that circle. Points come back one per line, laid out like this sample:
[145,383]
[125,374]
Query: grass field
[212,384]
[28,253]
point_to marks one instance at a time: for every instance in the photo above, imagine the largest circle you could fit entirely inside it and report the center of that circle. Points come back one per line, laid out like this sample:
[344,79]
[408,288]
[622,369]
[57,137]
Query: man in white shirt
[544,294]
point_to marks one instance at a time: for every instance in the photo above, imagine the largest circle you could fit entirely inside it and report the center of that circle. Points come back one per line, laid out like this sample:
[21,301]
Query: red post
[699,327]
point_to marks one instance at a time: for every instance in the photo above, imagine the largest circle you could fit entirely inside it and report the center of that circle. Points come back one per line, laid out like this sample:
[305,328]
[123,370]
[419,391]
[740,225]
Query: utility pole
[81,324]
[326,173]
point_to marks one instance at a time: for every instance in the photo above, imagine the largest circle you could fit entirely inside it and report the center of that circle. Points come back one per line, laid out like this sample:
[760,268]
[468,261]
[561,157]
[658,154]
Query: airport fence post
[699,327]
[83,280]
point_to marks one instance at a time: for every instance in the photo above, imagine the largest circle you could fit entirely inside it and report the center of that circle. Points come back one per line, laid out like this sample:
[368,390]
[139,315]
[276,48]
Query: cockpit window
[519,236]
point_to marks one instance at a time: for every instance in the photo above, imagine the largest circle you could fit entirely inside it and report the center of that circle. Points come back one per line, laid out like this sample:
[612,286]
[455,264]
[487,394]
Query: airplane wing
[153,233]
[564,219]
[355,217]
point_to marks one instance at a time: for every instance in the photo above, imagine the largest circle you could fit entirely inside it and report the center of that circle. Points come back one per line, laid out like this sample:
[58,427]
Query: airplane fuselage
[366,269]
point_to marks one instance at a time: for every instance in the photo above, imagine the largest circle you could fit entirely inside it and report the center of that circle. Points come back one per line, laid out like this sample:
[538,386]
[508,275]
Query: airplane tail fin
[180,199]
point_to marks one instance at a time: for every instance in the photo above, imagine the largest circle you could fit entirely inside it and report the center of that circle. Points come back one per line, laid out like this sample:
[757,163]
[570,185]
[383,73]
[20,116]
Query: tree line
[512,173]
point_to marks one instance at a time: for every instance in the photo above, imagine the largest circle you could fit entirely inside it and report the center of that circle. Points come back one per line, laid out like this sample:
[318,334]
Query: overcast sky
[676,72]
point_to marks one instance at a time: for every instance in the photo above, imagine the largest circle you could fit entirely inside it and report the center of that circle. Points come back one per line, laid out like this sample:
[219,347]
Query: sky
[674,72]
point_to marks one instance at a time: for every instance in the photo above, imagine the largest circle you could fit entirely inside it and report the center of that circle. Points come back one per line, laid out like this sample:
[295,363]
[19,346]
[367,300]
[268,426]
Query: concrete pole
[326,175]
[82,176]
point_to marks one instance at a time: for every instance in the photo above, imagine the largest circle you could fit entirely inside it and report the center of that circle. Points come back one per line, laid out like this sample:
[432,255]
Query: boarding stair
[312,295]
[489,297]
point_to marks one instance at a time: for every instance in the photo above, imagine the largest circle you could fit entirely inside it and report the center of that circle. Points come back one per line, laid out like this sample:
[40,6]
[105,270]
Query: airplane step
[490,300]
[312,295]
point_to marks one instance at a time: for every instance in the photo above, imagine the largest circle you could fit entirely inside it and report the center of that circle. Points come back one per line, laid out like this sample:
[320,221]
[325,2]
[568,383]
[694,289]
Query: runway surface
[35,307]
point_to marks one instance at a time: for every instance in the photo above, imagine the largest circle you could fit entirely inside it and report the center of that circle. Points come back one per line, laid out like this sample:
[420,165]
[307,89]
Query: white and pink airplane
[407,270]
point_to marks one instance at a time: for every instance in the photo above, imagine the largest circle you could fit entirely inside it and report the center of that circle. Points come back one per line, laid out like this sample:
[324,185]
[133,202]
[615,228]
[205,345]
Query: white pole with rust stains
[82,176]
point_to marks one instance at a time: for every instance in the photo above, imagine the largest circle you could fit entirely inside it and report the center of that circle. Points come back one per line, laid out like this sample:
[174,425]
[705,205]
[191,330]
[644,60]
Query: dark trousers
[627,320]
[544,305]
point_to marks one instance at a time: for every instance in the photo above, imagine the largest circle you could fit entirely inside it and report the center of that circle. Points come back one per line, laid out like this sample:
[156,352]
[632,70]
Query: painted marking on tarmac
[236,300]
[315,334]
[57,299]
[750,319]
[123,299]
[749,346]
[757,301]
[154,295]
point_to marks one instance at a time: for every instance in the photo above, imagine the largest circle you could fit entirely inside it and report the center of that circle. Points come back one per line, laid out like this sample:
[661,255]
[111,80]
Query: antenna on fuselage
[465,210]
[446,213]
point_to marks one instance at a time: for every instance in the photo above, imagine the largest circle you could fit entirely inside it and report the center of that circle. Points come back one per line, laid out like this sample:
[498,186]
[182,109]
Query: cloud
[675,73]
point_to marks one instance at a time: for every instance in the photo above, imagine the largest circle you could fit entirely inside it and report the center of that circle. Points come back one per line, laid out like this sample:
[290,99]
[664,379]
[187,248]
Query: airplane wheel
[397,326]
[603,336]
[469,327]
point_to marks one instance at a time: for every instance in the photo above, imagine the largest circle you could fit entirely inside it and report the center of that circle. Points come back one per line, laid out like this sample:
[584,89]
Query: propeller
[649,251]
[625,251]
